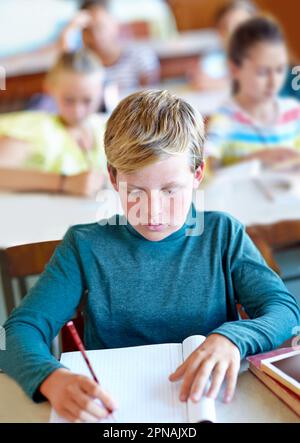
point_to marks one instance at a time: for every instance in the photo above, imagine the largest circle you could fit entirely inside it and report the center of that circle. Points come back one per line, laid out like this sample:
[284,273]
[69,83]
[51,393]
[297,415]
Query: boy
[148,280]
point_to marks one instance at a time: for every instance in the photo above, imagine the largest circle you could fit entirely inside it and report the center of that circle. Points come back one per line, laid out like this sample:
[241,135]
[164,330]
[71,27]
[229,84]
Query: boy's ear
[112,177]
[198,175]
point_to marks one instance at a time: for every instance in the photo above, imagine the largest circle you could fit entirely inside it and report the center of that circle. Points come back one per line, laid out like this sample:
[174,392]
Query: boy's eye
[169,191]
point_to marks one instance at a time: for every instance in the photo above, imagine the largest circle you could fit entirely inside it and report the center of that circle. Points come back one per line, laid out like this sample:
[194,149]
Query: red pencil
[81,348]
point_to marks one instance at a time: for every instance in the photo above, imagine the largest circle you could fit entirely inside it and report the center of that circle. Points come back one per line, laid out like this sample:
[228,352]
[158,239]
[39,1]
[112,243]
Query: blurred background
[31,28]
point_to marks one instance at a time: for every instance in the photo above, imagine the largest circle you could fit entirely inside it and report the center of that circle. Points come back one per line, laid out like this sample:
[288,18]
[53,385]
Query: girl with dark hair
[256,122]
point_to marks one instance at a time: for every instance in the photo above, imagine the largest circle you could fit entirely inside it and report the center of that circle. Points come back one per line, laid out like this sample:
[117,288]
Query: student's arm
[275,156]
[272,310]
[86,183]
[31,328]
[28,180]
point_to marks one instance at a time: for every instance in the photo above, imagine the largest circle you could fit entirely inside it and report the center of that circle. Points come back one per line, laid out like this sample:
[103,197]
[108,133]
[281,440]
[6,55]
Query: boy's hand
[73,397]
[217,357]
[86,183]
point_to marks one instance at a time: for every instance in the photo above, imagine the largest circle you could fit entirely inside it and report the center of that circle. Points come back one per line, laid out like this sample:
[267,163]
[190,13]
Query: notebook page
[137,378]
[204,410]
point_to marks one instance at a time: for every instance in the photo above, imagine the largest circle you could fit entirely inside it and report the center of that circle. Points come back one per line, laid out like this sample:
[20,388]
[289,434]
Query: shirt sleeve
[273,312]
[17,125]
[32,326]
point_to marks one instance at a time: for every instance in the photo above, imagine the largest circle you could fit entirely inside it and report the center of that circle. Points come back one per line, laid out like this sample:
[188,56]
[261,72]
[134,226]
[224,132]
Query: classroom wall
[194,14]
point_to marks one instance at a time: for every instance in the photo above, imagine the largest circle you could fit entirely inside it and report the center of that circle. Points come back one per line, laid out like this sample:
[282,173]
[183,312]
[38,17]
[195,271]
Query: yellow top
[52,149]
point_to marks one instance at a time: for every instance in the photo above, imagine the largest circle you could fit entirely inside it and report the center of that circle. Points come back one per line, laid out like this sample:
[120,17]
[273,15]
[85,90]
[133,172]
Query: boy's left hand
[217,357]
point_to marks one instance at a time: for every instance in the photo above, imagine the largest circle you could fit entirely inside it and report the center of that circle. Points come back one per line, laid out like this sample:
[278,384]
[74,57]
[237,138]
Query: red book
[289,397]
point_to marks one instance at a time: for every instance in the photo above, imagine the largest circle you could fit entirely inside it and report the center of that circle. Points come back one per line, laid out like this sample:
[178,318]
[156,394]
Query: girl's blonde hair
[151,125]
[83,61]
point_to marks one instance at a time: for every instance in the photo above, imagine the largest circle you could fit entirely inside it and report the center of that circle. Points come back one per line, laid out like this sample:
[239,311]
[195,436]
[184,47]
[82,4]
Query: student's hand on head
[81,21]
[86,184]
[218,358]
[73,397]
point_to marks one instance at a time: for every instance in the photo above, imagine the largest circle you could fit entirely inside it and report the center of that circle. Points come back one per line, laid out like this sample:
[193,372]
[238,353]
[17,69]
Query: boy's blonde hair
[151,125]
[83,61]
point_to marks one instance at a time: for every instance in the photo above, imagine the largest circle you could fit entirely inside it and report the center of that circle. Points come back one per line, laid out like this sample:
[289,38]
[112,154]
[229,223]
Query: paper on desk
[239,171]
[137,378]
[280,185]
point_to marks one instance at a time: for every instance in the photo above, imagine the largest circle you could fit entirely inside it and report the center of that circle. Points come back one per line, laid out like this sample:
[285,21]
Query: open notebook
[137,378]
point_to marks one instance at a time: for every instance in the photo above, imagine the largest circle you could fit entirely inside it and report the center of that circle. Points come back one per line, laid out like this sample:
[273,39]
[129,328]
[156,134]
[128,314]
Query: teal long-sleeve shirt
[143,292]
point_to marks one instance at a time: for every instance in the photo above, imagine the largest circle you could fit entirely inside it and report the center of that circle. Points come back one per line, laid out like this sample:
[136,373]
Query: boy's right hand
[73,397]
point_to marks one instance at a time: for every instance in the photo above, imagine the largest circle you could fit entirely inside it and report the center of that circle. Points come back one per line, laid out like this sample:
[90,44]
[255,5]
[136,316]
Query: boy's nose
[155,209]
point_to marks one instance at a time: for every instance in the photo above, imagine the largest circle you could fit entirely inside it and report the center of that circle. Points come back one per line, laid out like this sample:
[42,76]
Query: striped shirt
[233,134]
[136,61]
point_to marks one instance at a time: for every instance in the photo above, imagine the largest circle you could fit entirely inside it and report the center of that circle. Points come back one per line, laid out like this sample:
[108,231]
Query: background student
[256,122]
[64,152]
[127,66]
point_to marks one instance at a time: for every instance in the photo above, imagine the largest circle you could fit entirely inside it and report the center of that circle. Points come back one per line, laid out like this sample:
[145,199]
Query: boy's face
[77,95]
[263,72]
[156,199]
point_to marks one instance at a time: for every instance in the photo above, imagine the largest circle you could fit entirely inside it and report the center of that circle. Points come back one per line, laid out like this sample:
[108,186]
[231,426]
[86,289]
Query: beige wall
[193,14]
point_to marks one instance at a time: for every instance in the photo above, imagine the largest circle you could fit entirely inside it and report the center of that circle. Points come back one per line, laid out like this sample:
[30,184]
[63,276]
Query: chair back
[20,262]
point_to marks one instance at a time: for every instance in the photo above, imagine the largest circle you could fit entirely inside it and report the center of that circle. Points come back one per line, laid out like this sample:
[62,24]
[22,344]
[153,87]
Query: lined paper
[137,379]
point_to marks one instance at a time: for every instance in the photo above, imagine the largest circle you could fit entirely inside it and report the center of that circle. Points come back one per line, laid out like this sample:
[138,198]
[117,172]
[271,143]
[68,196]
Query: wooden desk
[253,403]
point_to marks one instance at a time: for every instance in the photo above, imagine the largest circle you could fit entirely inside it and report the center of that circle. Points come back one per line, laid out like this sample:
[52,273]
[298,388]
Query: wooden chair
[19,89]
[20,262]
[272,238]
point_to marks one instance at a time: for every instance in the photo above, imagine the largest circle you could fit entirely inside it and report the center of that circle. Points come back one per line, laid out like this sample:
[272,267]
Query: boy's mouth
[156,227]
